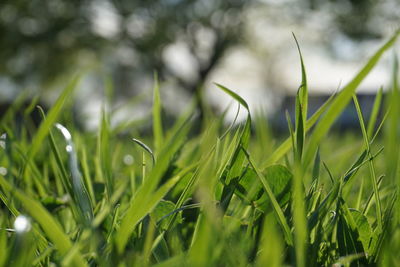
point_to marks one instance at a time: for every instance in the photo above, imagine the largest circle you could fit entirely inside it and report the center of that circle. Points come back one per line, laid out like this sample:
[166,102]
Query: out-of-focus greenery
[43,40]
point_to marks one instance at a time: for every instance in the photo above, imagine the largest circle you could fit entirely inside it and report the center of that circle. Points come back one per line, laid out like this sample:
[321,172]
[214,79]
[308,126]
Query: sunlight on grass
[211,196]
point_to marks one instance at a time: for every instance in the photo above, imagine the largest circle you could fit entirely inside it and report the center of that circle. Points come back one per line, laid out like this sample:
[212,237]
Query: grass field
[221,196]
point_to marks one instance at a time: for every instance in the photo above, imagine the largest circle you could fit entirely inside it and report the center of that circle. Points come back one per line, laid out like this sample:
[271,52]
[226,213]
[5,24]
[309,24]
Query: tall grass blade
[234,169]
[141,205]
[341,101]
[303,89]
[286,145]
[299,215]
[52,116]
[300,133]
[374,180]
[157,117]
[392,133]
[301,107]
[147,197]
[291,133]
[104,153]
[374,113]
[78,187]
[271,252]
[277,209]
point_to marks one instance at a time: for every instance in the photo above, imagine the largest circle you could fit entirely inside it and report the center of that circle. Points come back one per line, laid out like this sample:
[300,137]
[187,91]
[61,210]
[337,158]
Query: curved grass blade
[232,124]
[234,169]
[234,95]
[78,187]
[303,89]
[146,148]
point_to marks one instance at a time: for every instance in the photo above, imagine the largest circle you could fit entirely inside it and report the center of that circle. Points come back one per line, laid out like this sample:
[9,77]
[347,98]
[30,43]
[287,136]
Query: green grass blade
[368,202]
[298,206]
[391,137]
[104,153]
[299,215]
[157,121]
[234,96]
[80,192]
[303,89]
[291,133]
[142,204]
[374,180]
[51,227]
[52,116]
[145,199]
[300,132]
[277,209]
[271,252]
[374,113]
[341,101]
[236,162]
[64,175]
[232,124]
[286,145]
[316,168]
[87,175]
[322,210]
[146,148]
[188,188]
[301,108]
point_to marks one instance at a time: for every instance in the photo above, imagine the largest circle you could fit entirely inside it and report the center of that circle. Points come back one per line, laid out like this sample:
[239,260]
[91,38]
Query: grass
[216,197]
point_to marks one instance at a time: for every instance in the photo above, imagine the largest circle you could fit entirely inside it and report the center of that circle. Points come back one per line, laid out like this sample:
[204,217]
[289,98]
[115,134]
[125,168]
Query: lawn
[214,195]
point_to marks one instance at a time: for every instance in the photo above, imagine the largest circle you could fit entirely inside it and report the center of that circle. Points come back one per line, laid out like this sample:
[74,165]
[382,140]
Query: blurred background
[245,45]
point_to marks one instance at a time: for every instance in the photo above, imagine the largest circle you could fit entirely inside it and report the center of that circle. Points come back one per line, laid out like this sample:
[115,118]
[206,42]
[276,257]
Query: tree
[42,40]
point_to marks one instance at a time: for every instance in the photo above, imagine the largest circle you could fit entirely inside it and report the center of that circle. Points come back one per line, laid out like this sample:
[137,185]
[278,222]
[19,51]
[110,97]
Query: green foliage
[212,198]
